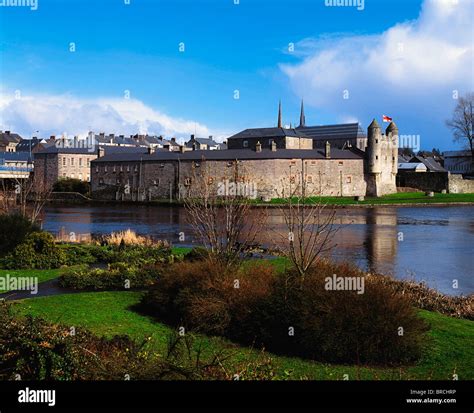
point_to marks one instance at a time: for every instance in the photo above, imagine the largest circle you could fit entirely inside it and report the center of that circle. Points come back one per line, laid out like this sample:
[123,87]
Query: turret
[374,138]
[392,135]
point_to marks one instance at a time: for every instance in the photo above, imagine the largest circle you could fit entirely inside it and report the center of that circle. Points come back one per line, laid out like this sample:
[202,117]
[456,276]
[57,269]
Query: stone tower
[381,159]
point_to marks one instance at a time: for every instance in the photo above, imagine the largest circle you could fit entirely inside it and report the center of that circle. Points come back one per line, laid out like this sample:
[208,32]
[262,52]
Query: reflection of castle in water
[381,241]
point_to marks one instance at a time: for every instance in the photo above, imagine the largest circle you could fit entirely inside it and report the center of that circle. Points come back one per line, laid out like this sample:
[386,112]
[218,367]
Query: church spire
[302,117]
[279,114]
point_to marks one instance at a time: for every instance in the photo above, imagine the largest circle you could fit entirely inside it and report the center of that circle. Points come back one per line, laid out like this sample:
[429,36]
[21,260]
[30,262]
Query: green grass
[109,313]
[398,198]
[43,275]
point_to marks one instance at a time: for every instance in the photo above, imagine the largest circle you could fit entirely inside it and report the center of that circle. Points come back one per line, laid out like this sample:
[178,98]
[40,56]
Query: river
[431,244]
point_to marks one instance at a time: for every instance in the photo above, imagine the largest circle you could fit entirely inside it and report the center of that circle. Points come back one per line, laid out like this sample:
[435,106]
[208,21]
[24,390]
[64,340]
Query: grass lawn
[43,275]
[398,198]
[452,350]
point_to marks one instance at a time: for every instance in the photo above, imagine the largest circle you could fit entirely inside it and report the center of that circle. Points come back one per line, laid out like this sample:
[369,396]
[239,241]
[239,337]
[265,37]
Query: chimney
[151,150]
[258,147]
[192,137]
[7,132]
[52,138]
[182,148]
[327,151]
[274,146]
[100,152]
[173,140]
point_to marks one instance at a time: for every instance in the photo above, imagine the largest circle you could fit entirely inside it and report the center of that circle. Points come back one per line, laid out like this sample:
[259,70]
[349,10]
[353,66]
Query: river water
[433,244]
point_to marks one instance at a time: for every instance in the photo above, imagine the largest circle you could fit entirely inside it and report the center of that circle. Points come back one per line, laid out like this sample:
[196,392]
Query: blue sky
[121,49]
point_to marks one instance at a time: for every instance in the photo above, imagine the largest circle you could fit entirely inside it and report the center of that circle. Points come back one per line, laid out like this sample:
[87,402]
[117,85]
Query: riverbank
[400,199]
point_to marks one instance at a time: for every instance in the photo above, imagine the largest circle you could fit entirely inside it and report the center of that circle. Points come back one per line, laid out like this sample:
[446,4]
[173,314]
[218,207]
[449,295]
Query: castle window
[348,180]
[96,169]
[80,161]
[72,161]
[210,180]
[309,179]
[128,168]
[376,141]
[229,164]
[293,162]
[88,163]
[197,164]
[101,181]
[121,168]
[105,168]
[377,157]
[136,168]
[341,163]
[64,161]
[162,165]
[187,182]
[292,179]
[115,169]
[245,144]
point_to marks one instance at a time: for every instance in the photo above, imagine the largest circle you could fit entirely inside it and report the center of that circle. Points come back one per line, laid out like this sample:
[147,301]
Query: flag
[387,118]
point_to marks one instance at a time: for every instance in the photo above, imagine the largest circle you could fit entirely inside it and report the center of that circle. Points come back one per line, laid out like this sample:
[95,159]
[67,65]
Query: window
[187,181]
[136,168]
[101,181]
[270,141]
[292,179]
[210,180]
[88,163]
[245,144]
[114,169]
[121,168]
[128,168]
[64,161]
[97,169]
[80,177]
[309,179]
[197,164]
[348,180]
[72,161]
[105,168]
[80,161]
[341,163]
[376,157]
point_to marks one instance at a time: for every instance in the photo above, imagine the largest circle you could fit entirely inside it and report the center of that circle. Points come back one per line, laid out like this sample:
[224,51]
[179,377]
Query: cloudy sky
[215,67]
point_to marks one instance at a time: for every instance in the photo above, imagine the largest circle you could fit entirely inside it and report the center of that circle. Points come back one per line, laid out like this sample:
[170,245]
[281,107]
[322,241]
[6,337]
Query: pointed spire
[279,114]
[302,117]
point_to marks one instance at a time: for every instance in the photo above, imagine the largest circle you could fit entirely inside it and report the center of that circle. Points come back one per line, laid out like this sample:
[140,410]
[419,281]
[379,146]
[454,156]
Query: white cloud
[410,69]
[55,115]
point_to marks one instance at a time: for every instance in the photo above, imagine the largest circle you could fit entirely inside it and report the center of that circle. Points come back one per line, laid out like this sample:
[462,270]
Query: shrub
[85,253]
[14,228]
[71,185]
[197,254]
[265,309]
[117,276]
[38,251]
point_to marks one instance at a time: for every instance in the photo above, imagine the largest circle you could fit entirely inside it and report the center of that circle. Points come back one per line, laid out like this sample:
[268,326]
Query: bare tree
[309,221]
[26,197]
[462,122]
[220,212]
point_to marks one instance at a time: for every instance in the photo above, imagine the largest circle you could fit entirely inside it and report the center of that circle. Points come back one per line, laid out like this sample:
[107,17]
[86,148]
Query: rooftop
[230,154]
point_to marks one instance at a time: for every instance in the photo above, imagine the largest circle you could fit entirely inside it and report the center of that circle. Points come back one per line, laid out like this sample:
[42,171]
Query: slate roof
[269,133]
[202,141]
[90,151]
[342,131]
[9,137]
[429,162]
[14,156]
[412,166]
[230,154]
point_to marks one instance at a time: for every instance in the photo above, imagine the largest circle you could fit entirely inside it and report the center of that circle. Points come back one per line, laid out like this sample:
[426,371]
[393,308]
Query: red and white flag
[387,118]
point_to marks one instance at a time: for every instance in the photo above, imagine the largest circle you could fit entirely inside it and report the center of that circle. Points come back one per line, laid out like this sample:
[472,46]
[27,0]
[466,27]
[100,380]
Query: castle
[267,158]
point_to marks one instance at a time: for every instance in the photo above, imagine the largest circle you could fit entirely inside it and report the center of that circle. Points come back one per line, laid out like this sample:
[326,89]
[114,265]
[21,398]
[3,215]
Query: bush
[266,309]
[71,185]
[38,251]
[85,253]
[118,276]
[14,228]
